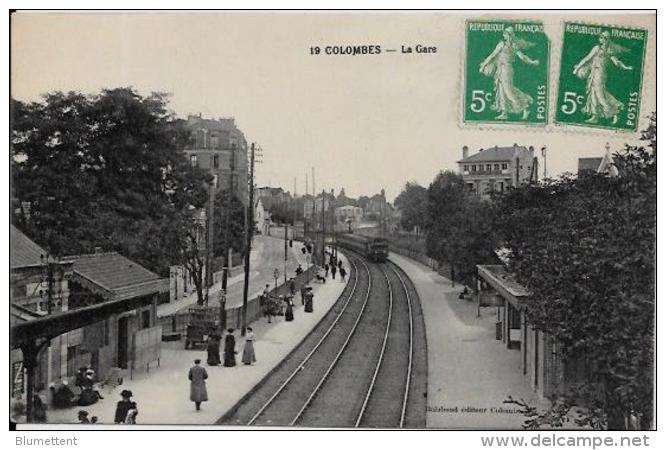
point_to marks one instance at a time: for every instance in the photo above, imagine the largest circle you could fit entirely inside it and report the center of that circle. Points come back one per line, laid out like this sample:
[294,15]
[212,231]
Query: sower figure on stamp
[593,67]
[499,65]
[197,377]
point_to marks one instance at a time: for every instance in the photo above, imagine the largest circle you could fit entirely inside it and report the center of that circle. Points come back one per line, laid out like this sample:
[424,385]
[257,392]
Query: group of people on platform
[213,349]
[198,375]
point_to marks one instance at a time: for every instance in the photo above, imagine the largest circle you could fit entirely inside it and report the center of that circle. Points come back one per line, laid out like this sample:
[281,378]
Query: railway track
[357,366]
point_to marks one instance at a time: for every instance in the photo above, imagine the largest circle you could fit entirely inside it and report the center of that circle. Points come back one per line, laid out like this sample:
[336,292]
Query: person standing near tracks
[230,349]
[304,290]
[249,356]
[197,377]
[326,270]
[334,269]
[343,273]
[309,297]
[213,349]
[289,313]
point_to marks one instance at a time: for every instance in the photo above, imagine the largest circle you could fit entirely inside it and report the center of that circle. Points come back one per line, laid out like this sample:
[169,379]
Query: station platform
[162,395]
[470,374]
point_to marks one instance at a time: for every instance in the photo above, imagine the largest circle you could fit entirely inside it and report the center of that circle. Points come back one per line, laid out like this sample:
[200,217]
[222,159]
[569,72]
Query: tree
[104,171]
[233,237]
[282,212]
[413,203]
[585,248]
[459,226]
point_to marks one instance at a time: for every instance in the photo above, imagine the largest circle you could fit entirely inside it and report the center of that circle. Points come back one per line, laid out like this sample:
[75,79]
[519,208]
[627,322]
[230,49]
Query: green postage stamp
[601,75]
[506,72]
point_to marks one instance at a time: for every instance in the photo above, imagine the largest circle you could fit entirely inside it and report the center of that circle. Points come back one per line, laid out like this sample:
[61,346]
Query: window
[473,167]
[194,160]
[214,141]
[216,161]
[504,166]
[145,319]
[466,167]
[496,167]
[71,361]
[489,167]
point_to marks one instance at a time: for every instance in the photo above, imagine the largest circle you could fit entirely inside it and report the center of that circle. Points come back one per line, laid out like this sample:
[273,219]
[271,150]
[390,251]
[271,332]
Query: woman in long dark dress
[230,349]
[213,349]
[289,313]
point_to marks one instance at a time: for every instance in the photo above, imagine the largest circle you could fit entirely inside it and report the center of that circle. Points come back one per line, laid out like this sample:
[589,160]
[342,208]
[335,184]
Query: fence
[176,324]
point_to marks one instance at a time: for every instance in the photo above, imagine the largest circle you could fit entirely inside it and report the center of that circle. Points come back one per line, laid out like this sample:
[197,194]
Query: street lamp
[52,273]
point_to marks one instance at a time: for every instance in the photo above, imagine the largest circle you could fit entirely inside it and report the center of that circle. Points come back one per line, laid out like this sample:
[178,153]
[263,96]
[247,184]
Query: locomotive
[373,248]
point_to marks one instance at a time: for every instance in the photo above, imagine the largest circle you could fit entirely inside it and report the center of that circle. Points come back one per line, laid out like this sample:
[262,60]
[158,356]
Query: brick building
[213,143]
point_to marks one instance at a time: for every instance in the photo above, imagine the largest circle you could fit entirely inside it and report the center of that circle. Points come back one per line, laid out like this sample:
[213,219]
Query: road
[267,255]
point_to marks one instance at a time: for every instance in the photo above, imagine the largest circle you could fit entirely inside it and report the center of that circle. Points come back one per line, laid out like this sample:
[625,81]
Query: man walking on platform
[197,377]
[333,270]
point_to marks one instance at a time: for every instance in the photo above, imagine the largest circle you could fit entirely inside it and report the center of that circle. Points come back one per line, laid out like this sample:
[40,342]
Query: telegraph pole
[209,239]
[305,208]
[248,244]
[227,218]
[543,153]
[286,227]
[334,246]
[323,227]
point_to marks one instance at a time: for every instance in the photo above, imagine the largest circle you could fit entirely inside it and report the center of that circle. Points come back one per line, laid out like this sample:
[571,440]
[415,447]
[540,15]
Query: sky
[364,122]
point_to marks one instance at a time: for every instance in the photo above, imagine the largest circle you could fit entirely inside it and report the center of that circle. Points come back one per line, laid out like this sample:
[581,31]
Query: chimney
[465,152]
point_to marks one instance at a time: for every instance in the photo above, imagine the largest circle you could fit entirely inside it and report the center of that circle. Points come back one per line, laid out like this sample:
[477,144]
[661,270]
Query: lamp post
[276,275]
[52,273]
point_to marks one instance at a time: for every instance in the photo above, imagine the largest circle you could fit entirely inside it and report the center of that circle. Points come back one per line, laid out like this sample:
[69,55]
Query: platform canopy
[504,283]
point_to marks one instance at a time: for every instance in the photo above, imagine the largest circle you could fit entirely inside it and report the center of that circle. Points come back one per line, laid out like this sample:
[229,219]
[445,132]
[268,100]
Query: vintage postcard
[343,219]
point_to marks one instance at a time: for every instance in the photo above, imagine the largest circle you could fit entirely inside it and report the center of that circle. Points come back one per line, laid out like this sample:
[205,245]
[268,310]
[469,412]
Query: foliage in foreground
[585,248]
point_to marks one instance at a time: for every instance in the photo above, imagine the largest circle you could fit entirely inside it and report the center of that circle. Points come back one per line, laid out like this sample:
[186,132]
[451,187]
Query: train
[373,248]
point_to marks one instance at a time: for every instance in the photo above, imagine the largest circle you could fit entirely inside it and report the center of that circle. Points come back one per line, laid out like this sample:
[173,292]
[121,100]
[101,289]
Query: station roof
[494,154]
[115,277]
[23,252]
[504,283]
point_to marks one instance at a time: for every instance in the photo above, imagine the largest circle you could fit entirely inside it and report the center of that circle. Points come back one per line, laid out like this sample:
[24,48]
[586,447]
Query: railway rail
[347,372]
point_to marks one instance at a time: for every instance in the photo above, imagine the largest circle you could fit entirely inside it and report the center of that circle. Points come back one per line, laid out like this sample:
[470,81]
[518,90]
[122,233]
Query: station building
[542,363]
[102,314]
